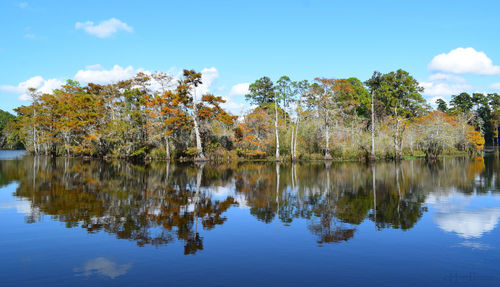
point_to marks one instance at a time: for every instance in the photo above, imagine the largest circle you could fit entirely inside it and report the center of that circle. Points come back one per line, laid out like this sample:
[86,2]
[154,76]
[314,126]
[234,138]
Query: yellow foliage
[475,138]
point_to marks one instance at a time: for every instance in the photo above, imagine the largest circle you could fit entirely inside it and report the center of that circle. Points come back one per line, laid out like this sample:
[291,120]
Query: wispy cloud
[104,29]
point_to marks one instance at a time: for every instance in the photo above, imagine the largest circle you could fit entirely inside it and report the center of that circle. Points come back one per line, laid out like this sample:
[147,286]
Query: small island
[159,116]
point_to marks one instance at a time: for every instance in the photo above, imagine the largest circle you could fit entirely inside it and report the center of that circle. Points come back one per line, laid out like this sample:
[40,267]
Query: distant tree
[494,99]
[461,103]
[441,106]
[261,91]
[361,97]
[5,117]
[8,136]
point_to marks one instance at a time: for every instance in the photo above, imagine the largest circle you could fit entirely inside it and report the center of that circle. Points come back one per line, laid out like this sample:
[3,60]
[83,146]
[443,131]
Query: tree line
[160,116]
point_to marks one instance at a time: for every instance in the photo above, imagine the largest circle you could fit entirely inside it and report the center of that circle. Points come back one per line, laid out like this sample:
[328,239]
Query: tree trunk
[372,155]
[327,136]
[35,148]
[397,145]
[276,129]
[200,156]
[296,129]
[295,140]
[291,145]
[167,148]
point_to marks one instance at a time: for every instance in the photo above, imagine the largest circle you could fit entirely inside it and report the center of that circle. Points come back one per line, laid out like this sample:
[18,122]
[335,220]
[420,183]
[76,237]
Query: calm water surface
[66,222]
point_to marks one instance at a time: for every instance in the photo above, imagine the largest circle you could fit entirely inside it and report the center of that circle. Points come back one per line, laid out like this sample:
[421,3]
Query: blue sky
[235,42]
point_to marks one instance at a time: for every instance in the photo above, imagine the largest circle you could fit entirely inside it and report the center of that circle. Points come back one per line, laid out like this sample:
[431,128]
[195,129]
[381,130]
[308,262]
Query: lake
[67,222]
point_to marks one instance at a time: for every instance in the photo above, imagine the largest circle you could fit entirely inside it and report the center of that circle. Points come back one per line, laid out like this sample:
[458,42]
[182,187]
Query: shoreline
[287,160]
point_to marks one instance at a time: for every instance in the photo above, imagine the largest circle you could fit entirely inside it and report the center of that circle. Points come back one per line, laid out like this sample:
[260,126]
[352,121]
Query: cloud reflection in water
[102,266]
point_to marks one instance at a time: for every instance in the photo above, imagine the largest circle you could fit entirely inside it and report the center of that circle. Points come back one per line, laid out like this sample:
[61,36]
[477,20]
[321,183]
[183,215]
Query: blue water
[73,223]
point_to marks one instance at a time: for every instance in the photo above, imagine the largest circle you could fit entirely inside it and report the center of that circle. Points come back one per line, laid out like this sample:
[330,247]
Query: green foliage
[191,151]
[5,117]
[441,105]
[9,138]
[399,92]
[461,103]
[261,91]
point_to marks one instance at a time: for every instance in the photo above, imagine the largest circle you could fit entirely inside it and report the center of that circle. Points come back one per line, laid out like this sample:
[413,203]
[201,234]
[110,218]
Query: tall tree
[327,108]
[400,93]
[483,110]
[187,88]
[375,86]
[261,91]
[264,92]
[287,94]
[301,89]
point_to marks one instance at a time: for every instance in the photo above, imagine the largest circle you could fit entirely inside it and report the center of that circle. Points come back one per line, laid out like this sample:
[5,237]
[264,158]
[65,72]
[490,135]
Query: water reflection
[160,203]
[457,213]
[469,224]
[475,245]
[102,266]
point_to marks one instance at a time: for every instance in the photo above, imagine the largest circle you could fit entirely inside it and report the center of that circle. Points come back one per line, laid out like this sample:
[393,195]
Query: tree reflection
[161,203]
[138,203]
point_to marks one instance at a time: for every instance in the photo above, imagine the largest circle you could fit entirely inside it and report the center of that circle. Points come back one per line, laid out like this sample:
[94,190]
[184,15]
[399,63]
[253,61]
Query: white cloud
[37,82]
[446,77]
[208,77]
[443,86]
[232,106]
[23,5]
[102,266]
[94,67]
[29,36]
[98,75]
[239,89]
[233,99]
[442,89]
[495,86]
[105,28]
[464,61]
[91,74]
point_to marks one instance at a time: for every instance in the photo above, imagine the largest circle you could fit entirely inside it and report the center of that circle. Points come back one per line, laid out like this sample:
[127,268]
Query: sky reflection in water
[68,222]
